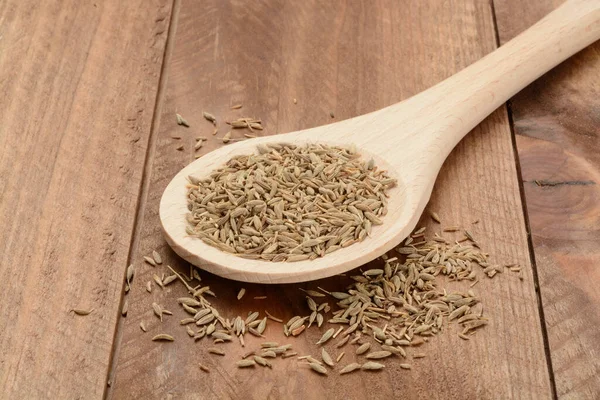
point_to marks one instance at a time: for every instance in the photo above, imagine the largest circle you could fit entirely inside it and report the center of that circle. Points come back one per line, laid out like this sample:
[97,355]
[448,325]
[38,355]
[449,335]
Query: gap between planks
[530,248]
[144,188]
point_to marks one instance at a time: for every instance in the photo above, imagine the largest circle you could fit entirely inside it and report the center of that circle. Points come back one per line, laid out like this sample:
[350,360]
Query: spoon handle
[465,99]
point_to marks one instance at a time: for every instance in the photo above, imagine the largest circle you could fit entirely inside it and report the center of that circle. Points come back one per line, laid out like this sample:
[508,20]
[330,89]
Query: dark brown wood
[347,58]
[557,122]
[78,83]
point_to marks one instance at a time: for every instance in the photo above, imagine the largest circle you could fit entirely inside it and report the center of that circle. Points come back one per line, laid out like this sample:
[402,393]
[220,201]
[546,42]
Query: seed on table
[190,331]
[326,357]
[169,279]
[81,311]
[213,350]
[158,311]
[221,335]
[245,363]
[405,366]
[163,337]
[363,348]
[130,274]
[342,342]
[209,117]
[158,281]
[262,361]
[326,336]
[269,354]
[150,261]
[349,368]
[182,121]
[143,326]
[241,293]
[189,301]
[204,368]
[372,366]
[318,368]
[378,354]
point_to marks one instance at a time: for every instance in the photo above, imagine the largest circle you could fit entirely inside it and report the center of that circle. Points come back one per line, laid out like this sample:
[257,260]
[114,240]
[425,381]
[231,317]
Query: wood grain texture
[557,122]
[348,58]
[75,117]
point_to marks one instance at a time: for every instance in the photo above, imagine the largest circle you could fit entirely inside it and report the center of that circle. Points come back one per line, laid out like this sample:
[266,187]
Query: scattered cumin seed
[227,137]
[372,366]
[163,337]
[363,348]
[435,217]
[241,293]
[312,293]
[143,326]
[350,368]
[179,148]
[236,107]
[259,297]
[214,350]
[262,361]
[150,261]
[378,354]
[451,228]
[245,363]
[318,368]
[81,311]
[405,366]
[169,279]
[182,121]
[157,258]
[248,354]
[209,117]
[204,368]
[130,274]
[271,317]
[326,336]
[326,357]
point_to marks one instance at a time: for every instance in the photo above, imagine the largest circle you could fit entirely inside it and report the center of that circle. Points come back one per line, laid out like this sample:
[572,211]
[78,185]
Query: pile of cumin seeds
[385,315]
[288,203]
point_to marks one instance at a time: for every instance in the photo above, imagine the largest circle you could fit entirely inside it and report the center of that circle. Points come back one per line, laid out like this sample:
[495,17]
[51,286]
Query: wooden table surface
[88,96]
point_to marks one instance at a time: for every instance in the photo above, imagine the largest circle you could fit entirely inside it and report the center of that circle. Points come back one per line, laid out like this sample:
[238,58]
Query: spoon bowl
[410,140]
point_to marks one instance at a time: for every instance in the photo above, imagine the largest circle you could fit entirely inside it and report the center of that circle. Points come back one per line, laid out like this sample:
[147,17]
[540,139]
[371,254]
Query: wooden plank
[347,58]
[78,83]
[557,125]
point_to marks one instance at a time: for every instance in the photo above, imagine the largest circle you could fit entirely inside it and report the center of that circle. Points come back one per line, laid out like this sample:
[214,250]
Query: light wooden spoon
[410,139]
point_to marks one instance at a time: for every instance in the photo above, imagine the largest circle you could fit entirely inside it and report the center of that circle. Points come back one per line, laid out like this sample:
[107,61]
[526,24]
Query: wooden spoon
[410,139]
